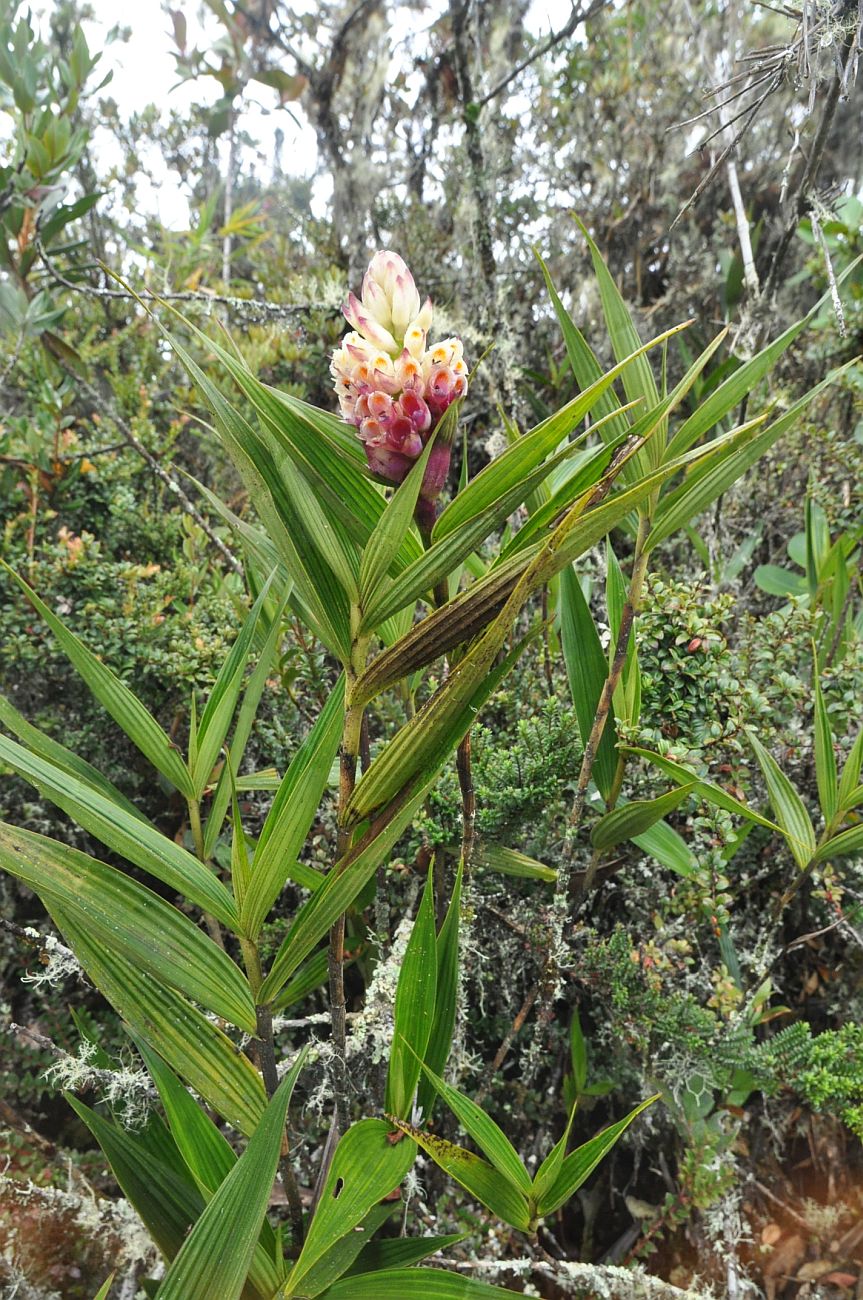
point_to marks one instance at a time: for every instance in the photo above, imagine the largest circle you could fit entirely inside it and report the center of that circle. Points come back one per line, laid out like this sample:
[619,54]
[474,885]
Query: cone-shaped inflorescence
[389,383]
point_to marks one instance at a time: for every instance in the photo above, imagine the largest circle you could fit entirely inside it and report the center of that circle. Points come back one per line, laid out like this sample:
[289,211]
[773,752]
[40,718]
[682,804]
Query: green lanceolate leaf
[446,995]
[635,818]
[586,670]
[428,1283]
[242,730]
[488,1136]
[585,367]
[731,392]
[191,1044]
[850,841]
[496,480]
[366,1168]
[351,873]
[293,809]
[311,976]
[662,842]
[477,1176]
[549,1171]
[399,1252]
[789,807]
[133,839]
[509,862]
[210,1158]
[825,758]
[708,790]
[167,1203]
[850,777]
[222,703]
[105,1288]
[322,599]
[129,919]
[414,1008]
[777,581]
[638,380]
[215,1258]
[580,1164]
[725,466]
[62,758]
[115,697]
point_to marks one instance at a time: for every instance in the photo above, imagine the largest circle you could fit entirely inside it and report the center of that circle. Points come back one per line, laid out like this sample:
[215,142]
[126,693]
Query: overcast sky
[145,72]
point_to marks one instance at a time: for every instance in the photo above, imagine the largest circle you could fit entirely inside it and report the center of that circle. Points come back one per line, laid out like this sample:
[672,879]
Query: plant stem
[266,1062]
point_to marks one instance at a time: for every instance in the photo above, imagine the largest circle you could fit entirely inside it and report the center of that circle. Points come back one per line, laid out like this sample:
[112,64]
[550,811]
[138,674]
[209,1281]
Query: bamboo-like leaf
[476,1175]
[586,369]
[789,807]
[214,1260]
[580,1164]
[322,598]
[105,1288]
[454,547]
[849,841]
[387,1253]
[288,821]
[731,392]
[191,1044]
[638,380]
[242,731]
[310,977]
[708,790]
[427,1283]
[507,471]
[489,1136]
[716,474]
[509,862]
[825,758]
[351,874]
[669,848]
[366,1168]
[114,696]
[850,777]
[414,1008]
[420,740]
[586,670]
[222,702]
[210,1158]
[167,1203]
[635,818]
[60,757]
[446,995]
[133,839]
[549,1171]
[129,919]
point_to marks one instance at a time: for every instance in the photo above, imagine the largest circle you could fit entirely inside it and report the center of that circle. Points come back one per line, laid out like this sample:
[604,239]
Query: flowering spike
[389,384]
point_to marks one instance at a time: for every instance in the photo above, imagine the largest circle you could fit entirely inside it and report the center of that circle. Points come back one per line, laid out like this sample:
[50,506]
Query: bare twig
[254,309]
[577,16]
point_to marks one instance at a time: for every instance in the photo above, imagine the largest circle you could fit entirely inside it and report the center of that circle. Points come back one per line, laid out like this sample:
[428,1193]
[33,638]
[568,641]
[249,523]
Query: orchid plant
[351,539]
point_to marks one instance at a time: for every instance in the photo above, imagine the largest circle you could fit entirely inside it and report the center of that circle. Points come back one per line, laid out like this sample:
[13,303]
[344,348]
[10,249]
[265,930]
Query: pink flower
[389,384]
